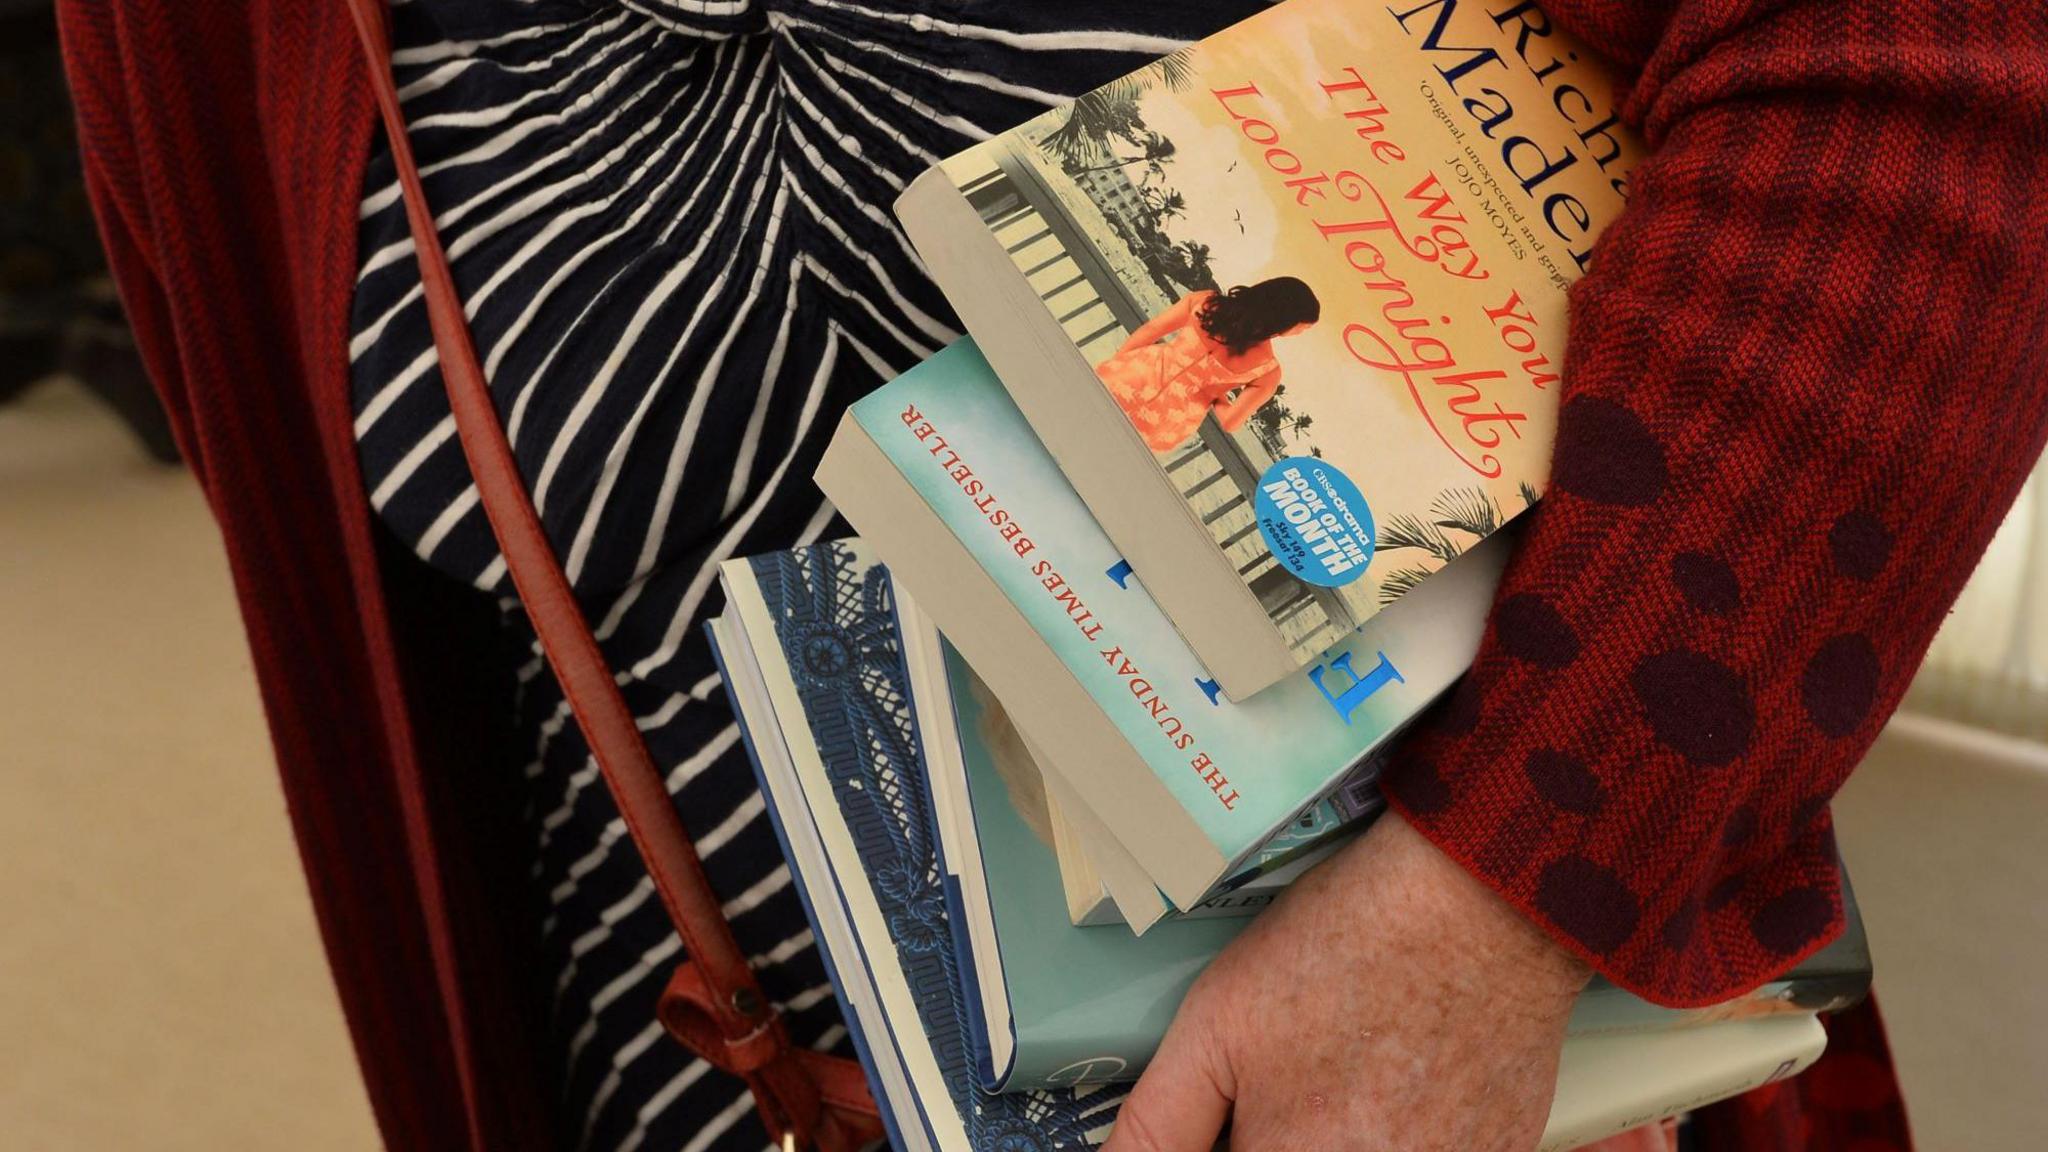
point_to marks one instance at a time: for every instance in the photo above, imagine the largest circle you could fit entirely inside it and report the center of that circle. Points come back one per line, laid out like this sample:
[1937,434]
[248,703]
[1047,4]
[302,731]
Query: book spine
[1604,1090]
[1604,1010]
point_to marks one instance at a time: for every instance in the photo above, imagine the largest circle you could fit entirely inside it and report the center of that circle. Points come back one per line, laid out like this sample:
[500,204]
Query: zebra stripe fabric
[669,220]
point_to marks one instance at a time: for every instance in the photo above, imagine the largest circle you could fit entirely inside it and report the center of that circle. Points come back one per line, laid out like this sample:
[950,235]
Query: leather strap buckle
[740,1036]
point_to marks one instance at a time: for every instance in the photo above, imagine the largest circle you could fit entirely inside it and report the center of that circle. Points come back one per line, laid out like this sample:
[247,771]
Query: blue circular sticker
[1315,521]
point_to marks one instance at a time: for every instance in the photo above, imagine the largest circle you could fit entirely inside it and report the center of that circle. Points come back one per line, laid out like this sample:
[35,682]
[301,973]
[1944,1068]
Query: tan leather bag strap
[713,1004]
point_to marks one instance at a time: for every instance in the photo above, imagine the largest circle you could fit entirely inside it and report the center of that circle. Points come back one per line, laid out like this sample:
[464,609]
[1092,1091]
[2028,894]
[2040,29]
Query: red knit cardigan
[1804,378]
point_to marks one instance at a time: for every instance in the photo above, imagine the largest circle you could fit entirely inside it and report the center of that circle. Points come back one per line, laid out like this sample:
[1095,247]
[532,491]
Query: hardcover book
[1288,305]
[1061,1005]
[944,480]
[815,669]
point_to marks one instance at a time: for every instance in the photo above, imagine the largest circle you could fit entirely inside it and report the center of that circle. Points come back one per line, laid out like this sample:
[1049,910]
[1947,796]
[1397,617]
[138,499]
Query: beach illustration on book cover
[1319,261]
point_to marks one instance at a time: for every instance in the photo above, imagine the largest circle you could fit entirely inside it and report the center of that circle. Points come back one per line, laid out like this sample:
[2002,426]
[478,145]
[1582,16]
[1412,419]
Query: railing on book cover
[1096,309]
[835,618]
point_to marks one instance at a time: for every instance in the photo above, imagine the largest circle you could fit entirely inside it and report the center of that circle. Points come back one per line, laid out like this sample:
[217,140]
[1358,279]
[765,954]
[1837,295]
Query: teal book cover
[1241,770]
[1059,1005]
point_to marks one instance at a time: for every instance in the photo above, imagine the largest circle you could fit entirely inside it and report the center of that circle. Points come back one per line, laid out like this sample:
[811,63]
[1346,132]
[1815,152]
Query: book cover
[1310,277]
[815,670]
[1070,1005]
[1103,883]
[942,476]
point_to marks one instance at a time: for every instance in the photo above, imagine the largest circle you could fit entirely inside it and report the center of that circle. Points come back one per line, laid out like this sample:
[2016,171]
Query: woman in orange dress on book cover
[1188,360]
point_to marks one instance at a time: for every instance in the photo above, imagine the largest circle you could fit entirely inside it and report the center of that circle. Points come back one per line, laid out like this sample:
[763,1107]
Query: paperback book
[1099,881]
[1288,306]
[814,664]
[943,478]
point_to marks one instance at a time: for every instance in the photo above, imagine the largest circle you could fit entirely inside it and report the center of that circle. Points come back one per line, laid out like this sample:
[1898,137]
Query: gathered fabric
[671,231]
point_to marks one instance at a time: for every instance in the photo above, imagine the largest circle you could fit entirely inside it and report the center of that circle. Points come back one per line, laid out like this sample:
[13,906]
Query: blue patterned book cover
[821,627]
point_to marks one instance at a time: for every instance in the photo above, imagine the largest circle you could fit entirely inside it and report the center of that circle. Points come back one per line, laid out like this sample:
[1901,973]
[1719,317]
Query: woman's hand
[1388,1001]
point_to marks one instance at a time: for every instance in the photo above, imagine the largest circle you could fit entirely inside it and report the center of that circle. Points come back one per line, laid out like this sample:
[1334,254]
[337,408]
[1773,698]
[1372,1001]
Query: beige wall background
[161,979]
[162,985]
[1945,830]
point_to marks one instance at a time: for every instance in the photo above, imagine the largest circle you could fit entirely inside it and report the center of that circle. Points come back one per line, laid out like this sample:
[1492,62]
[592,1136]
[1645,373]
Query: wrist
[1455,912]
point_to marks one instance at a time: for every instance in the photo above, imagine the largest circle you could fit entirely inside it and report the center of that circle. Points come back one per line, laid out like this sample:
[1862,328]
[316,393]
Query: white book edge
[1089,902]
[931,702]
[1135,899]
[1191,578]
[1014,661]
[1607,1085]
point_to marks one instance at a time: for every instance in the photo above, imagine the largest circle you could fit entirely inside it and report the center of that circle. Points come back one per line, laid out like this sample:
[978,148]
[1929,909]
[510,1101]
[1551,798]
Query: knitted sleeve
[97,77]
[1805,376]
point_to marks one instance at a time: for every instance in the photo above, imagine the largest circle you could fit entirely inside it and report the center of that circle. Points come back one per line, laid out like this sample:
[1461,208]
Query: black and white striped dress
[670,223]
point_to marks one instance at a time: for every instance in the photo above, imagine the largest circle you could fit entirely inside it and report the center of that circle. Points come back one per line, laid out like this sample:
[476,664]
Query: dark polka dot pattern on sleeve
[1423,789]
[1461,713]
[1707,584]
[1840,684]
[1590,902]
[1695,705]
[1791,920]
[1761,503]
[1740,827]
[1861,544]
[1606,456]
[1564,780]
[1724,893]
[1530,629]
[1679,928]
[1809,810]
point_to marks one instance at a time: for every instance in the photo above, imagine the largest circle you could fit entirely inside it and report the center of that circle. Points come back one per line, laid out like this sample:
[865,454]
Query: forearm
[1804,377]
[1230,416]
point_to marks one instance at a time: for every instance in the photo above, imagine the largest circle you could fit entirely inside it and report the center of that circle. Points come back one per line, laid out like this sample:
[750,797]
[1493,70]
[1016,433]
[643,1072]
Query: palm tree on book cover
[1103,133]
[1207,352]
[1458,518]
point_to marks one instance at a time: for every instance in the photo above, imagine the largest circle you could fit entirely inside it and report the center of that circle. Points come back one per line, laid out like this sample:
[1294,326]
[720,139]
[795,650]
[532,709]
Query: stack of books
[1155,565]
